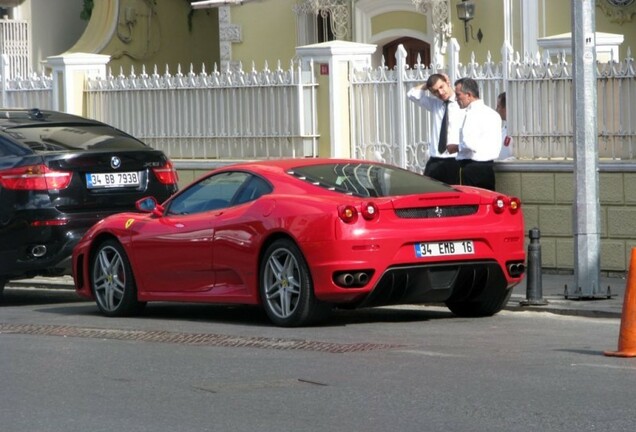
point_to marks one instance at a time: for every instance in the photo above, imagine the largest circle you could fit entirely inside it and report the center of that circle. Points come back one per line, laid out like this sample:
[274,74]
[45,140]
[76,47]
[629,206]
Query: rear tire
[112,281]
[286,287]
[492,300]
[3,282]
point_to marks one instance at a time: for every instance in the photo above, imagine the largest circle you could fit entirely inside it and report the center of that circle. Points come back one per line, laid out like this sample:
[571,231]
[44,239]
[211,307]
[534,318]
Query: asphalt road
[212,368]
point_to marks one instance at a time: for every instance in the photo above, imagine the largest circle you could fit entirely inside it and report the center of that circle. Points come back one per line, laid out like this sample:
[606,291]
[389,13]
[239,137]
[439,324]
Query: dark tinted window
[74,137]
[8,148]
[211,193]
[368,180]
[253,189]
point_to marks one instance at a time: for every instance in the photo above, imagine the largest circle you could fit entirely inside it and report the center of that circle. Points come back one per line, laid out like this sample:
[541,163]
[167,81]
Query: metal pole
[586,209]
[534,286]
[400,60]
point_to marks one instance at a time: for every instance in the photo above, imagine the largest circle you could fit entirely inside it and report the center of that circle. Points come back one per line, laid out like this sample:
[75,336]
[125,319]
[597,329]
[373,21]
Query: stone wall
[547,194]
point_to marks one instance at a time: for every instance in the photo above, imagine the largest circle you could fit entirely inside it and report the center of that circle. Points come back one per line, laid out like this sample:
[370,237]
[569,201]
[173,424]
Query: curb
[562,306]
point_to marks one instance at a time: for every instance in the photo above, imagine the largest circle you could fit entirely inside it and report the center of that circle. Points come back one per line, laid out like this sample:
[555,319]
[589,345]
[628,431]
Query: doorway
[413,47]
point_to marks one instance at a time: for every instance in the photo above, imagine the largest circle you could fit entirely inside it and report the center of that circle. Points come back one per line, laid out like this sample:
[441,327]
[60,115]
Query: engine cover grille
[436,212]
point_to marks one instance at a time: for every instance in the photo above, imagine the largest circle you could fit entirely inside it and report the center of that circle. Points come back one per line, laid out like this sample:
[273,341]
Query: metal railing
[232,114]
[15,47]
[32,91]
[388,127]
[237,114]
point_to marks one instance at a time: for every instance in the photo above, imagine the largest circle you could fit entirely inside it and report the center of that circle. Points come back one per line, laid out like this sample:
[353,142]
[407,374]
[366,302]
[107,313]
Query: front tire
[286,286]
[113,282]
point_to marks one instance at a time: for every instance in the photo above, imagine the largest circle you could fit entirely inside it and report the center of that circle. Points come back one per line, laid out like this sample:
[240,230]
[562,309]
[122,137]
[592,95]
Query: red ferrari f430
[302,236]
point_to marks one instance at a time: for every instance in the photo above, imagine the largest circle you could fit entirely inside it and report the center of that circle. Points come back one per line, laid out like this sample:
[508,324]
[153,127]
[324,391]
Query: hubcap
[282,283]
[109,278]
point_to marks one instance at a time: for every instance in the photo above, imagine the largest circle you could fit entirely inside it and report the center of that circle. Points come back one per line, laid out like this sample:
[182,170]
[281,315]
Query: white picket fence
[261,114]
[386,126]
[221,115]
[15,47]
[34,90]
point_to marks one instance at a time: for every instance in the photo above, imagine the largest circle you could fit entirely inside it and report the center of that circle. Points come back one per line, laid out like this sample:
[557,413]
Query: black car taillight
[49,222]
[166,174]
[35,177]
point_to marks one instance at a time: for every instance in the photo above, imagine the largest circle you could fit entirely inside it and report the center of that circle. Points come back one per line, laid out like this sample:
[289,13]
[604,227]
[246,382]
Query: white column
[530,26]
[334,59]
[507,10]
[70,72]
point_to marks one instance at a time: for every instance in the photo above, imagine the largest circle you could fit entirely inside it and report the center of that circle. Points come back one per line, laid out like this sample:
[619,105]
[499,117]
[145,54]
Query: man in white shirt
[506,140]
[479,137]
[441,164]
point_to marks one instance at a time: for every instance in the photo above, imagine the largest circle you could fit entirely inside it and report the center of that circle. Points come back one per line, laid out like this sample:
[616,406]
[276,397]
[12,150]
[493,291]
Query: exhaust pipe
[361,278]
[345,279]
[38,251]
[516,269]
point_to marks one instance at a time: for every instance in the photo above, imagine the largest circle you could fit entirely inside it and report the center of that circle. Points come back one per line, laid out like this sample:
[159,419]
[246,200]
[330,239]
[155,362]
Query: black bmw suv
[60,174]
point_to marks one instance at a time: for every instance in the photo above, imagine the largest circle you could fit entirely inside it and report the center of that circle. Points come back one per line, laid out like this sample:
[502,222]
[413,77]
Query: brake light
[166,174]
[370,211]
[500,203]
[35,177]
[49,222]
[348,213]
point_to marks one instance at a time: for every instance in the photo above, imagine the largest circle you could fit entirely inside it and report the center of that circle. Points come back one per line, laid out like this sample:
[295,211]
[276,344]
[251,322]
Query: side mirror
[149,205]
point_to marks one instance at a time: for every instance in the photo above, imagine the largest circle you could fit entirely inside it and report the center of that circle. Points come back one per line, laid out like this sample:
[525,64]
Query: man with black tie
[441,164]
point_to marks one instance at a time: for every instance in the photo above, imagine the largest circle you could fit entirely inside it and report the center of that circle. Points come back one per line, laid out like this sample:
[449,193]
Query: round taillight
[348,213]
[499,204]
[370,211]
[515,205]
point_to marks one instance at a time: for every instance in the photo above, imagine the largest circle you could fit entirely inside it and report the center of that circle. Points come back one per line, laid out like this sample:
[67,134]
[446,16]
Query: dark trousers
[443,169]
[479,174]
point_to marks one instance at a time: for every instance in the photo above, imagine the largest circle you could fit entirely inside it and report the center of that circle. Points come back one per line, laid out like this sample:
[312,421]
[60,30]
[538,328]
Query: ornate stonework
[618,11]
[228,34]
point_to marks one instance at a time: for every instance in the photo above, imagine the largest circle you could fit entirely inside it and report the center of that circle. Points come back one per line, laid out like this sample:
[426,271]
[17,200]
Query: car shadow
[214,313]
[255,316]
[38,296]
[387,314]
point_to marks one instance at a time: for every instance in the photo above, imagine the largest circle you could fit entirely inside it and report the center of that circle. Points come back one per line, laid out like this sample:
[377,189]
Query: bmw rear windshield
[73,137]
[368,180]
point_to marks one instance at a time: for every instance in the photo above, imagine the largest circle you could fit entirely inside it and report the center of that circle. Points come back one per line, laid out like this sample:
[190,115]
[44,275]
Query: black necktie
[443,131]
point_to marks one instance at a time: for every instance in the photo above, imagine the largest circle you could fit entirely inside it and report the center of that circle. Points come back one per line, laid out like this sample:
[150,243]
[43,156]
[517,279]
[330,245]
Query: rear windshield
[74,137]
[368,180]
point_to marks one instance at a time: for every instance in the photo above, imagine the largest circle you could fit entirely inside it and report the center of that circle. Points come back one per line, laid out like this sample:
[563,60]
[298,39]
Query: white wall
[55,26]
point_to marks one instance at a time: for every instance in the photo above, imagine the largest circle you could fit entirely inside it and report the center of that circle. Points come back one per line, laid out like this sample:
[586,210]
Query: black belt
[464,162]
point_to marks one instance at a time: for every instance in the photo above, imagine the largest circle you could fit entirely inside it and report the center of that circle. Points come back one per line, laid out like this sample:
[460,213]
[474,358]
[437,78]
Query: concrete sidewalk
[608,304]
[561,294]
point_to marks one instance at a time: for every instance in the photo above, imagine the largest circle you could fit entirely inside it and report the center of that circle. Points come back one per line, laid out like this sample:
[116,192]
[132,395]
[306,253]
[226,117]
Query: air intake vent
[436,212]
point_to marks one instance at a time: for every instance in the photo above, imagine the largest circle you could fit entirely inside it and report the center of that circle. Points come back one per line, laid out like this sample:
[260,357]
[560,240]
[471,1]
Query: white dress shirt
[436,107]
[480,133]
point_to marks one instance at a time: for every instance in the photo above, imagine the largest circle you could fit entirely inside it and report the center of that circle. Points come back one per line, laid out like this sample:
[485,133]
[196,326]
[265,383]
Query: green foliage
[87,10]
